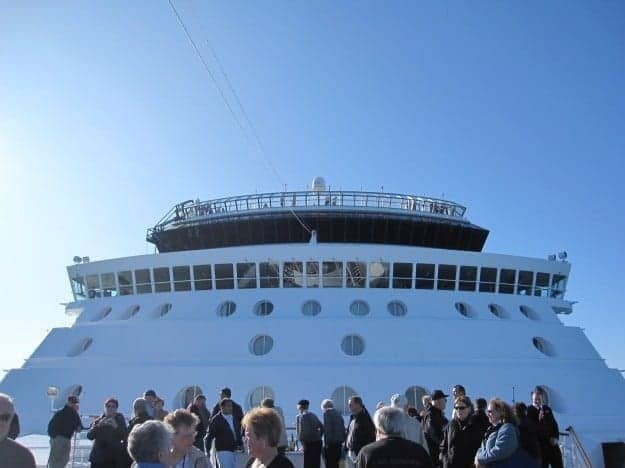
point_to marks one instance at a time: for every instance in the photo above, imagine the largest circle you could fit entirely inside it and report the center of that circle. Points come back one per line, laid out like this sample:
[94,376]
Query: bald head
[6,415]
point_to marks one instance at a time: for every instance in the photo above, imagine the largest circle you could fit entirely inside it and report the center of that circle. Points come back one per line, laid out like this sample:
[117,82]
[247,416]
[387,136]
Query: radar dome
[318,184]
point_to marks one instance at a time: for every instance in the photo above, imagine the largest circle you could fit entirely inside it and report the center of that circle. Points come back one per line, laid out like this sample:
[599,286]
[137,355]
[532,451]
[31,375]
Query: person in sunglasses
[12,454]
[109,434]
[461,437]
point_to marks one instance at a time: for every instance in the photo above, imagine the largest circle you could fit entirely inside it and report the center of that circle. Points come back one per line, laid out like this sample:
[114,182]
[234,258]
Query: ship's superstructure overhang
[336,216]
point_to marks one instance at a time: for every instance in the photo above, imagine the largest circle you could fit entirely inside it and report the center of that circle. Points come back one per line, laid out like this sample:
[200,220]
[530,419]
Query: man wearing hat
[433,424]
[309,432]
[61,428]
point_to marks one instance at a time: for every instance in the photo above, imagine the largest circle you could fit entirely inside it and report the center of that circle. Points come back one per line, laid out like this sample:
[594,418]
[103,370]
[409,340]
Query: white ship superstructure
[392,294]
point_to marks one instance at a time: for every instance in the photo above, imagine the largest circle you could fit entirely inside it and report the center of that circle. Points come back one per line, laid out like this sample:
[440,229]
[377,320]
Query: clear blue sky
[107,118]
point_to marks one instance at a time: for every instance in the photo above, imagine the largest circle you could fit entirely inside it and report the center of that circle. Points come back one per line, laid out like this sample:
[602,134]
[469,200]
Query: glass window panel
[506,281]
[224,276]
[446,277]
[488,279]
[161,280]
[425,276]
[526,280]
[378,274]
[332,274]
[293,275]
[402,275]
[468,278]
[109,288]
[144,281]
[269,275]
[78,287]
[93,286]
[542,284]
[246,275]
[312,274]
[356,272]
[202,276]
[558,285]
[182,278]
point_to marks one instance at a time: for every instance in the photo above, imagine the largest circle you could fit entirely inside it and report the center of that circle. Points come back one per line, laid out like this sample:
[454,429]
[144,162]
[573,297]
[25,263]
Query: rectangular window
[246,276]
[202,277]
[312,275]
[526,281]
[124,279]
[93,286]
[379,274]
[293,275]
[558,286]
[468,278]
[425,276]
[224,276]
[182,278]
[507,278]
[162,280]
[488,279]
[446,277]
[402,275]
[356,272]
[542,285]
[332,274]
[108,284]
[78,287]
[269,275]
[144,281]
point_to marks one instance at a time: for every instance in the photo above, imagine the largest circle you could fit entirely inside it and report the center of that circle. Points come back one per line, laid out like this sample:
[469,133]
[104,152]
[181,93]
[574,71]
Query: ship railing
[194,210]
[573,453]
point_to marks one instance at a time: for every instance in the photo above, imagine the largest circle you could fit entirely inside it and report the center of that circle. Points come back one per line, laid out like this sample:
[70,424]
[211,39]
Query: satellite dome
[318,184]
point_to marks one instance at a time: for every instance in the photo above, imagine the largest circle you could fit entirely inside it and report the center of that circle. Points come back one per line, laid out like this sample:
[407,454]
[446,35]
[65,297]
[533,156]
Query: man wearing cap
[12,454]
[433,424]
[61,428]
[412,427]
[309,431]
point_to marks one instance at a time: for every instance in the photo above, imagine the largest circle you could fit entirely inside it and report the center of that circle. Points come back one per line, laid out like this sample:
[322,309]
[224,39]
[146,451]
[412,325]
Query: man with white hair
[12,454]
[333,433]
[391,449]
[149,444]
[412,427]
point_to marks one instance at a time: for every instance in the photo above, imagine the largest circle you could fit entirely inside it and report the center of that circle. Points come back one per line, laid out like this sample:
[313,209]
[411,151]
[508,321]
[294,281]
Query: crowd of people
[483,434]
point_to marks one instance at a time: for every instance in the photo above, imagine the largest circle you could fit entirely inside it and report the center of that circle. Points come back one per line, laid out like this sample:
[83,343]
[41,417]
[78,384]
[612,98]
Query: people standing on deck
[150,397]
[109,434]
[433,424]
[360,431]
[528,432]
[139,412]
[413,430]
[262,434]
[61,428]
[149,445]
[159,412]
[184,425]
[501,441]
[309,431]
[225,430]
[391,450]
[461,437]
[198,407]
[548,430]
[283,441]
[12,454]
[237,411]
[333,434]
[479,417]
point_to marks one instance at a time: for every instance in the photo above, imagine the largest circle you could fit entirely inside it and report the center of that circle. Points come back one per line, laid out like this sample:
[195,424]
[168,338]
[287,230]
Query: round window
[311,308]
[263,308]
[102,314]
[256,396]
[261,345]
[498,311]
[359,308]
[131,312]
[397,308]
[162,310]
[529,313]
[80,347]
[226,308]
[341,397]
[543,346]
[464,309]
[353,345]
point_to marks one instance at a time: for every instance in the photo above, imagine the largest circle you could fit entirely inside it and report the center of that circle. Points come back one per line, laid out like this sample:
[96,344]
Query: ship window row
[314,274]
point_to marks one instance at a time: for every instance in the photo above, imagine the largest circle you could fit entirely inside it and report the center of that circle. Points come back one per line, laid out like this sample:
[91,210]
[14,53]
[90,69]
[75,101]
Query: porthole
[131,312]
[80,347]
[102,314]
[498,311]
[340,397]
[311,308]
[226,308]
[544,346]
[529,313]
[353,345]
[257,395]
[263,308]
[162,310]
[261,345]
[397,308]
[465,309]
[359,308]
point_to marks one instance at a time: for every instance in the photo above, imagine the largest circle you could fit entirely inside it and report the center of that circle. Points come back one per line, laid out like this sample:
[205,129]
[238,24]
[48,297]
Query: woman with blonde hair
[262,435]
[501,440]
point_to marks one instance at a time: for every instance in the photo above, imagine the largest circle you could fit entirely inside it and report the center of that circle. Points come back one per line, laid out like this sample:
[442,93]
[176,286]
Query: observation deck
[336,216]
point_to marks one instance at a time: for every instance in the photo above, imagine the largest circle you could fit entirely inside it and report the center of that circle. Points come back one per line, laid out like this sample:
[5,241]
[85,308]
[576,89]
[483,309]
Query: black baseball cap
[438,394]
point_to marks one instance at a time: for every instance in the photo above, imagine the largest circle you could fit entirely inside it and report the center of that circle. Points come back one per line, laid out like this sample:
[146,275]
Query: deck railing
[573,453]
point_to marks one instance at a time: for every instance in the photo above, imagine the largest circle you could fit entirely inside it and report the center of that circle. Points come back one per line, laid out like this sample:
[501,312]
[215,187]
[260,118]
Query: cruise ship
[321,294]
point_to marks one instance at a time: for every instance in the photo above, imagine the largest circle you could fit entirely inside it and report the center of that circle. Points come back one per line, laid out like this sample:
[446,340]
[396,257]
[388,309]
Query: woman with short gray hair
[149,444]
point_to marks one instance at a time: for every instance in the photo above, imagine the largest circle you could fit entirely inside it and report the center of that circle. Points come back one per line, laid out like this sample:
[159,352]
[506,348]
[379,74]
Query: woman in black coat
[109,435]
[461,437]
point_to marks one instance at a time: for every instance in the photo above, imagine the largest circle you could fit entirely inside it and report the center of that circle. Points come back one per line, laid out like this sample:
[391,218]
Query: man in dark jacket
[547,427]
[333,433]
[309,431]
[479,418]
[433,423]
[109,434]
[361,430]
[61,428]
[237,411]
[226,431]
[198,407]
